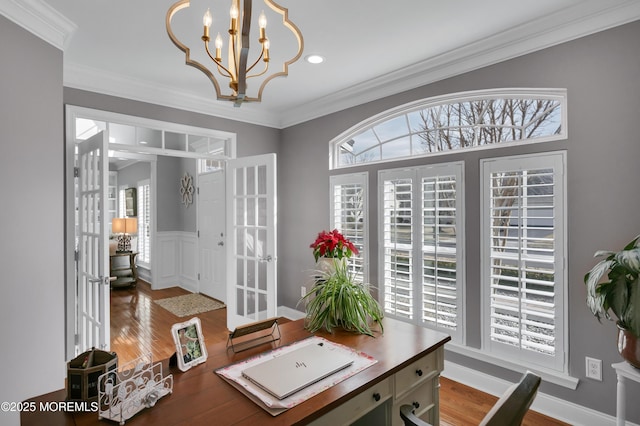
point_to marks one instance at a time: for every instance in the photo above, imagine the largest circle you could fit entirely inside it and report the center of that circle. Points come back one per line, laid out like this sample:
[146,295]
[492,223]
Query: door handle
[220,243]
[101,280]
[267,258]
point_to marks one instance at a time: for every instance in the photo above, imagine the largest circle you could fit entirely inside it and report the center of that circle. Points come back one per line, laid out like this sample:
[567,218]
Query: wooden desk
[201,397]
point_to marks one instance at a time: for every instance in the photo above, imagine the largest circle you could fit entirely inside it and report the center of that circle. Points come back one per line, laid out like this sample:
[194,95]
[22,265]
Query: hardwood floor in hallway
[138,325]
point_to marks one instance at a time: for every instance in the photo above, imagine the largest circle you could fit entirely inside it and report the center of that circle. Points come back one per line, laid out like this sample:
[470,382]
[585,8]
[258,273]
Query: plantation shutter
[422,230]
[348,215]
[397,241]
[121,203]
[441,258]
[525,255]
[144,220]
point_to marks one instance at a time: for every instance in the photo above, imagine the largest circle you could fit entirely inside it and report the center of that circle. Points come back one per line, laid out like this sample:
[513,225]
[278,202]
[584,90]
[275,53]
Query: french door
[251,238]
[92,287]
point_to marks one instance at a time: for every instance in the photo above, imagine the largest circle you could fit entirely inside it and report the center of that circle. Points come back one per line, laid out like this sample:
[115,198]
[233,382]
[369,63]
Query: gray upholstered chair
[508,411]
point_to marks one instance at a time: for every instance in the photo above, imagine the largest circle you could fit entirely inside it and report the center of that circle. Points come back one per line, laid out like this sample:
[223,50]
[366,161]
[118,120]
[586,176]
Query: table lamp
[125,226]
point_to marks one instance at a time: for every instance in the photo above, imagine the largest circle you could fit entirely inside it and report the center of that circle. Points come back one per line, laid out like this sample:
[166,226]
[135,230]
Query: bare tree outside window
[484,122]
[453,126]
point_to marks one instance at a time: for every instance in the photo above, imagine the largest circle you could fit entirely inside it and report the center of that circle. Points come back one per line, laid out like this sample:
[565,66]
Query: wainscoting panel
[189,261]
[177,257]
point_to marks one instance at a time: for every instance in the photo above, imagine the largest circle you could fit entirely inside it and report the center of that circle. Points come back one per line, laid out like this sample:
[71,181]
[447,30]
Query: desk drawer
[423,398]
[424,369]
[359,405]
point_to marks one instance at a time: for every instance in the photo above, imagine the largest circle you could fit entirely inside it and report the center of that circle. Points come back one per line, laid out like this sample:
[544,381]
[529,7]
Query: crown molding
[577,21]
[94,80]
[40,19]
[569,24]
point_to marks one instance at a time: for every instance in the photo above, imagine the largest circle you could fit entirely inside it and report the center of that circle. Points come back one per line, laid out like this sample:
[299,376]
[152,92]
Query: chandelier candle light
[237,68]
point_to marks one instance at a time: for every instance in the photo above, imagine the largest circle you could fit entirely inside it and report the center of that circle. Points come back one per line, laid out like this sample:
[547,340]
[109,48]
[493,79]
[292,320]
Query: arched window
[462,121]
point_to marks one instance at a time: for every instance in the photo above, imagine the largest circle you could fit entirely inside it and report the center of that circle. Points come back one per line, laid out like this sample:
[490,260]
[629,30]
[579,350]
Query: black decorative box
[83,372]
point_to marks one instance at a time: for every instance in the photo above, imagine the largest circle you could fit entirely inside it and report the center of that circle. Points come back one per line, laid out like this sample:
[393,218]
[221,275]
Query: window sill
[555,377]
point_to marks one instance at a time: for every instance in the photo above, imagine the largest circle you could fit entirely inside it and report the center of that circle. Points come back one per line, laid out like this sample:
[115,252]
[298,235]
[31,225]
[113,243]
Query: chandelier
[237,68]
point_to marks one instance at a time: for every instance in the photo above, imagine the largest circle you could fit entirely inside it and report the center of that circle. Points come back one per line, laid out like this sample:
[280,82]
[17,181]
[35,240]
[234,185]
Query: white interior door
[92,301]
[212,231]
[251,237]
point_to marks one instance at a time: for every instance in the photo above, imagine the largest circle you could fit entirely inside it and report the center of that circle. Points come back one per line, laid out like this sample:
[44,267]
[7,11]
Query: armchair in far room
[510,409]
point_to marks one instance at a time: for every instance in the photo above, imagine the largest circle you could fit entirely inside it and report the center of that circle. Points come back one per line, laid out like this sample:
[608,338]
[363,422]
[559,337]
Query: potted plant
[337,299]
[620,294]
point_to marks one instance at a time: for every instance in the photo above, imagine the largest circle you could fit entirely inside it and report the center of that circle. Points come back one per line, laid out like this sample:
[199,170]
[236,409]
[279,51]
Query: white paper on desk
[274,406]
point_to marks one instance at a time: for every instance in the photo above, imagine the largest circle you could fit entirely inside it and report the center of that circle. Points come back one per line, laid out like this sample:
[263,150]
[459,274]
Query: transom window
[470,120]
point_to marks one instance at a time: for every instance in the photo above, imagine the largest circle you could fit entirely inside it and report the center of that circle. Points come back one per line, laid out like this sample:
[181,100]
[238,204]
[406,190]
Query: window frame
[417,174]
[501,93]
[557,161]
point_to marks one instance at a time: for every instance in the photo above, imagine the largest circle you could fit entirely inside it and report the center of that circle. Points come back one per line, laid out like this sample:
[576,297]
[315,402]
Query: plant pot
[328,265]
[629,346]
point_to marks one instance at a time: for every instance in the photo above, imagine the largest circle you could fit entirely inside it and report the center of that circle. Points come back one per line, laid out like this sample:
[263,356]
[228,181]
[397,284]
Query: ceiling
[373,48]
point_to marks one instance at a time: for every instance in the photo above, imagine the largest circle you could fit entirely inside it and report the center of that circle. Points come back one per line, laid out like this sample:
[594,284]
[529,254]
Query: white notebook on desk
[290,372]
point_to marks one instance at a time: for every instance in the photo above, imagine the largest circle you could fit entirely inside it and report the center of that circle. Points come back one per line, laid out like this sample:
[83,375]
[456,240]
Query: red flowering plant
[332,244]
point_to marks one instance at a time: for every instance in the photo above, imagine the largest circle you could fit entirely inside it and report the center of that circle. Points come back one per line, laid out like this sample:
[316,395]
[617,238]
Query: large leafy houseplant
[337,300]
[620,293]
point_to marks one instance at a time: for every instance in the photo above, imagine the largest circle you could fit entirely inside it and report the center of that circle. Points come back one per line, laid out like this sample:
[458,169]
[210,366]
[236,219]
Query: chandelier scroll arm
[256,63]
[175,8]
[266,68]
[220,66]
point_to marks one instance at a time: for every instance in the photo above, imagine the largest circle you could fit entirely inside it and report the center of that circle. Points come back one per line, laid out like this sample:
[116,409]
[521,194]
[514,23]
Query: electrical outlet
[594,368]
[303,291]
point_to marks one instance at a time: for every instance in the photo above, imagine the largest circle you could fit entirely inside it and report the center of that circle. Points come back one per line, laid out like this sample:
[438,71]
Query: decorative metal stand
[136,386]
[262,332]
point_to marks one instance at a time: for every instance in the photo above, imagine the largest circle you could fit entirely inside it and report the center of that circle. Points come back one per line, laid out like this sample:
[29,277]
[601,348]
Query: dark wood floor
[138,325]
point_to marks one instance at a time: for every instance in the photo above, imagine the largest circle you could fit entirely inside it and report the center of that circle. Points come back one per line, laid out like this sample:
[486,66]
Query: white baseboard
[551,406]
[290,313]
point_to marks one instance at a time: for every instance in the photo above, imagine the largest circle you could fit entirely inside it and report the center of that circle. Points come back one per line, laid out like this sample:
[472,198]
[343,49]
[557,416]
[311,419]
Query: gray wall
[171,214]
[600,72]
[602,75]
[32,360]
[130,176]
[188,214]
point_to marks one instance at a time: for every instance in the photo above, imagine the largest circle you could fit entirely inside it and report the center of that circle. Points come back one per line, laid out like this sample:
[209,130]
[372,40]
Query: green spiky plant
[621,293]
[338,301]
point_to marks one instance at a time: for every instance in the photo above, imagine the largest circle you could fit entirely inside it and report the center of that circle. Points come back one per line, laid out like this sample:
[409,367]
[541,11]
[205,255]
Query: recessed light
[314,59]
[143,142]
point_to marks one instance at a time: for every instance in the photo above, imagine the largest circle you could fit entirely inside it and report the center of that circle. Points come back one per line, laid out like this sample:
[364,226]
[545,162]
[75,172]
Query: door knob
[220,243]
[100,280]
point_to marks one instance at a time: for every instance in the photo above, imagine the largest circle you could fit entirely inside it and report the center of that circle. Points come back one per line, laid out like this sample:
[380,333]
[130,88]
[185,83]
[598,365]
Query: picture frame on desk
[190,347]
